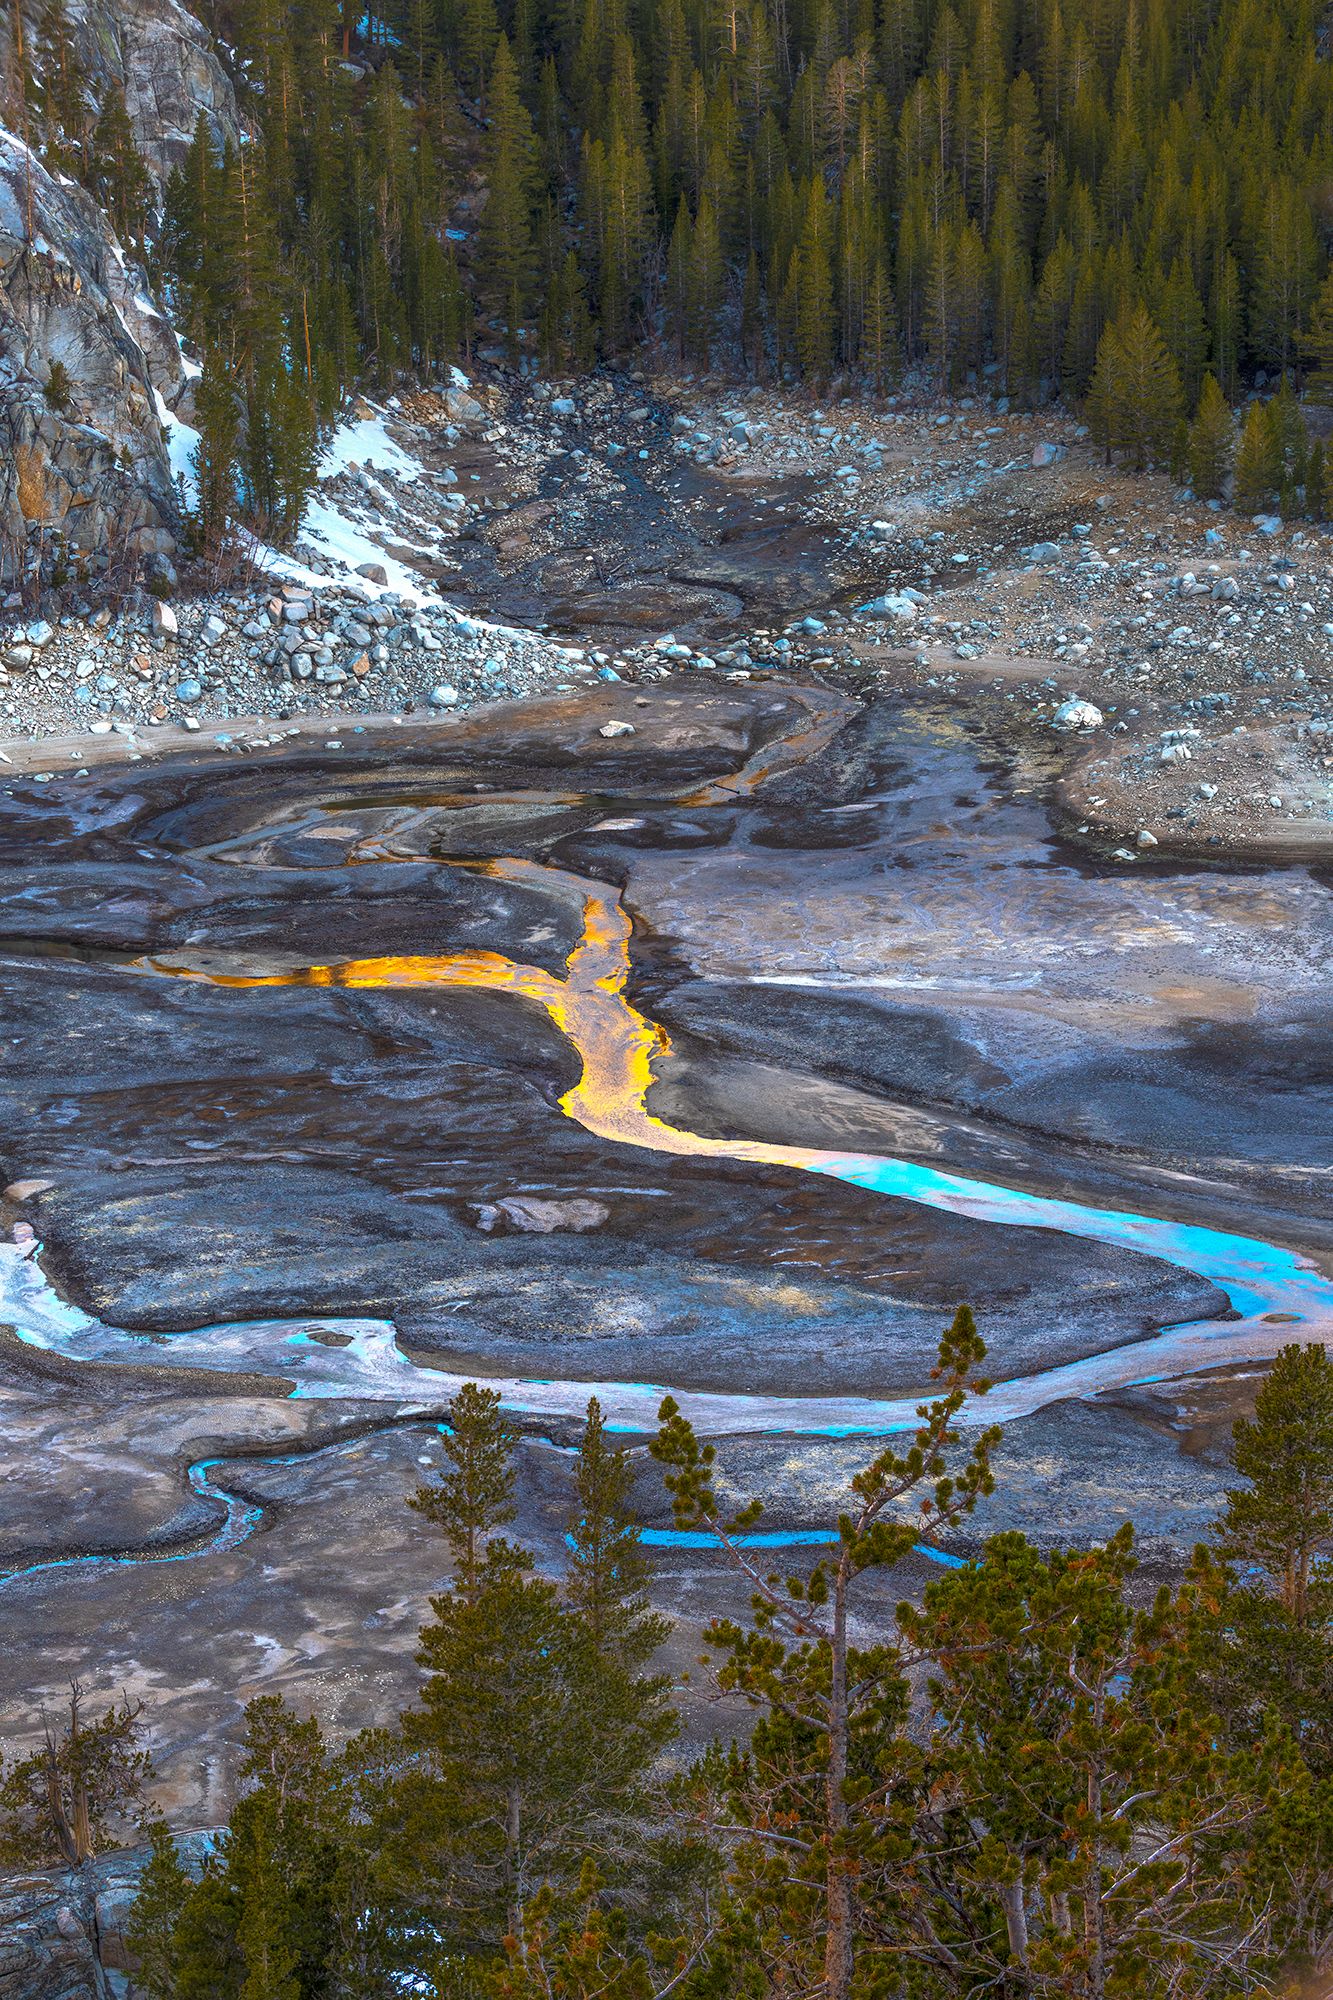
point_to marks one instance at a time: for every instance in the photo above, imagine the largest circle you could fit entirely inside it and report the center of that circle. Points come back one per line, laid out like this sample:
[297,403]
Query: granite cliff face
[161,57]
[85,478]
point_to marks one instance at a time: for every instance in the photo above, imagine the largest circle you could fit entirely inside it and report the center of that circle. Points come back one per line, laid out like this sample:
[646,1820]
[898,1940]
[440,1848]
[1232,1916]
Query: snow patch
[367,444]
[182,441]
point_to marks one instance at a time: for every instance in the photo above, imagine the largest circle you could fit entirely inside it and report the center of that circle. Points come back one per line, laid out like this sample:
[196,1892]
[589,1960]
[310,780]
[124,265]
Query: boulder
[1046,453]
[895,605]
[1076,714]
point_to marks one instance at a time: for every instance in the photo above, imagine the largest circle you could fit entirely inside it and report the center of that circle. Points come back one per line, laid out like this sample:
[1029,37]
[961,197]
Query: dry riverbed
[525,539]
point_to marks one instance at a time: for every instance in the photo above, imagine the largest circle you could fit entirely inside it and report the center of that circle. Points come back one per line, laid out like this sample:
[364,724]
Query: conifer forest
[666,707]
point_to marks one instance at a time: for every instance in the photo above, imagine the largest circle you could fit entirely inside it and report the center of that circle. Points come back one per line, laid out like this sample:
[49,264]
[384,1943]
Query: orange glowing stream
[620,1049]
[617,1044]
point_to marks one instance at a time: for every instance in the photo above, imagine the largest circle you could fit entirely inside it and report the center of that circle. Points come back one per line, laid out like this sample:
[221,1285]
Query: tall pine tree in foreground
[529,1757]
[475,1496]
[831,1696]
[607,1572]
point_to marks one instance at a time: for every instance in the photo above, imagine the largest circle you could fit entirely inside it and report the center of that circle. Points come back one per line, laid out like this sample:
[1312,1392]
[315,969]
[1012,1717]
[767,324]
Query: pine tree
[60,98]
[476,1497]
[60,1804]
[879,343]
[263,1931]
[530,1753]
[678,278]
[1258,469]
[1212,443]
[1317,343]
[1134,400]
[479,33]
[216,456]
[1282,1522]
[705,283]
[506,239]
[830,1706]
[1316,483]
[607,1570]
[1180,316]
[163,1891]
[116,171]
[1056,1749]
[1290,443]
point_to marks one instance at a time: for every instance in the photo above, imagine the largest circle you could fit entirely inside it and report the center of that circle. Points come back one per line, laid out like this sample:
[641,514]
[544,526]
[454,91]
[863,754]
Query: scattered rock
[1077,714]
[26,1190]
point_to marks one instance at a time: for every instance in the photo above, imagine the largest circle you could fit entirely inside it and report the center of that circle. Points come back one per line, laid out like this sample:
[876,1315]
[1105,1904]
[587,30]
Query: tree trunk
[83,1838]
[1015,1919]
[1094,1918]
[514,1869]
[838,1944]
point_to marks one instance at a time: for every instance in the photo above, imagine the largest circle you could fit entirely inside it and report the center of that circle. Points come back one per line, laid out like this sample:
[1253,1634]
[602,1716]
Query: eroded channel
[876,821]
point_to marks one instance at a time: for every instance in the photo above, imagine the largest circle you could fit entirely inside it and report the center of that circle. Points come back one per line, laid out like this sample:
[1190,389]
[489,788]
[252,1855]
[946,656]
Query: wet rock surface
[881,943]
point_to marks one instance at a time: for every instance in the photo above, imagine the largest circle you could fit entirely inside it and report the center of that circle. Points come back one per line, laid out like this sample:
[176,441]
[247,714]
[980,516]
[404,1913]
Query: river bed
[723,1052]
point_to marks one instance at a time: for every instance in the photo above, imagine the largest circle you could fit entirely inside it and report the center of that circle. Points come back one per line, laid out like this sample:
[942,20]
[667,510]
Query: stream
[1275,1294]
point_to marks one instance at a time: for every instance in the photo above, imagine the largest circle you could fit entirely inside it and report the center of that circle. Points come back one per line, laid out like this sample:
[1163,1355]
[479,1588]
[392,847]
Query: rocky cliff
[161,58]
[85,478]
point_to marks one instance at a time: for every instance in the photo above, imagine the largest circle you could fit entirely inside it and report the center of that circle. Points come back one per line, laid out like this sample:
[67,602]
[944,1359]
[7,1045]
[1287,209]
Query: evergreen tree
[1282,1522]
[530,1754]
[61,1804]
[116,170]
[264,1926]
[705,283]
[1076,1823]
[216,456]
[879,344]
[1258,467]
[1134,401]
[164,1888]
[607,1570]
[506,221]
[476,1497]
[61,92]
[1212,443]
[1290,443]
[1317,343]
[830,1707]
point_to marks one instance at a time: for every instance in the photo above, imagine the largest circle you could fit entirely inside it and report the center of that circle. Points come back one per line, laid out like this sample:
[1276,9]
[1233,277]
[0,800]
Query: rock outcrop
[61,1934]
[85,476]
[161,57]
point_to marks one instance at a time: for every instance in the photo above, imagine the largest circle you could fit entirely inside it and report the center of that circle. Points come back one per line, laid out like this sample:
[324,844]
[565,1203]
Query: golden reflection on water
[618,1046]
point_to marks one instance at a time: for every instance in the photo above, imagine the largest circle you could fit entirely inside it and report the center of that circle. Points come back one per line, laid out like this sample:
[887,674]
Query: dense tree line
[1072,198]
[823,184]
[1034,1780]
